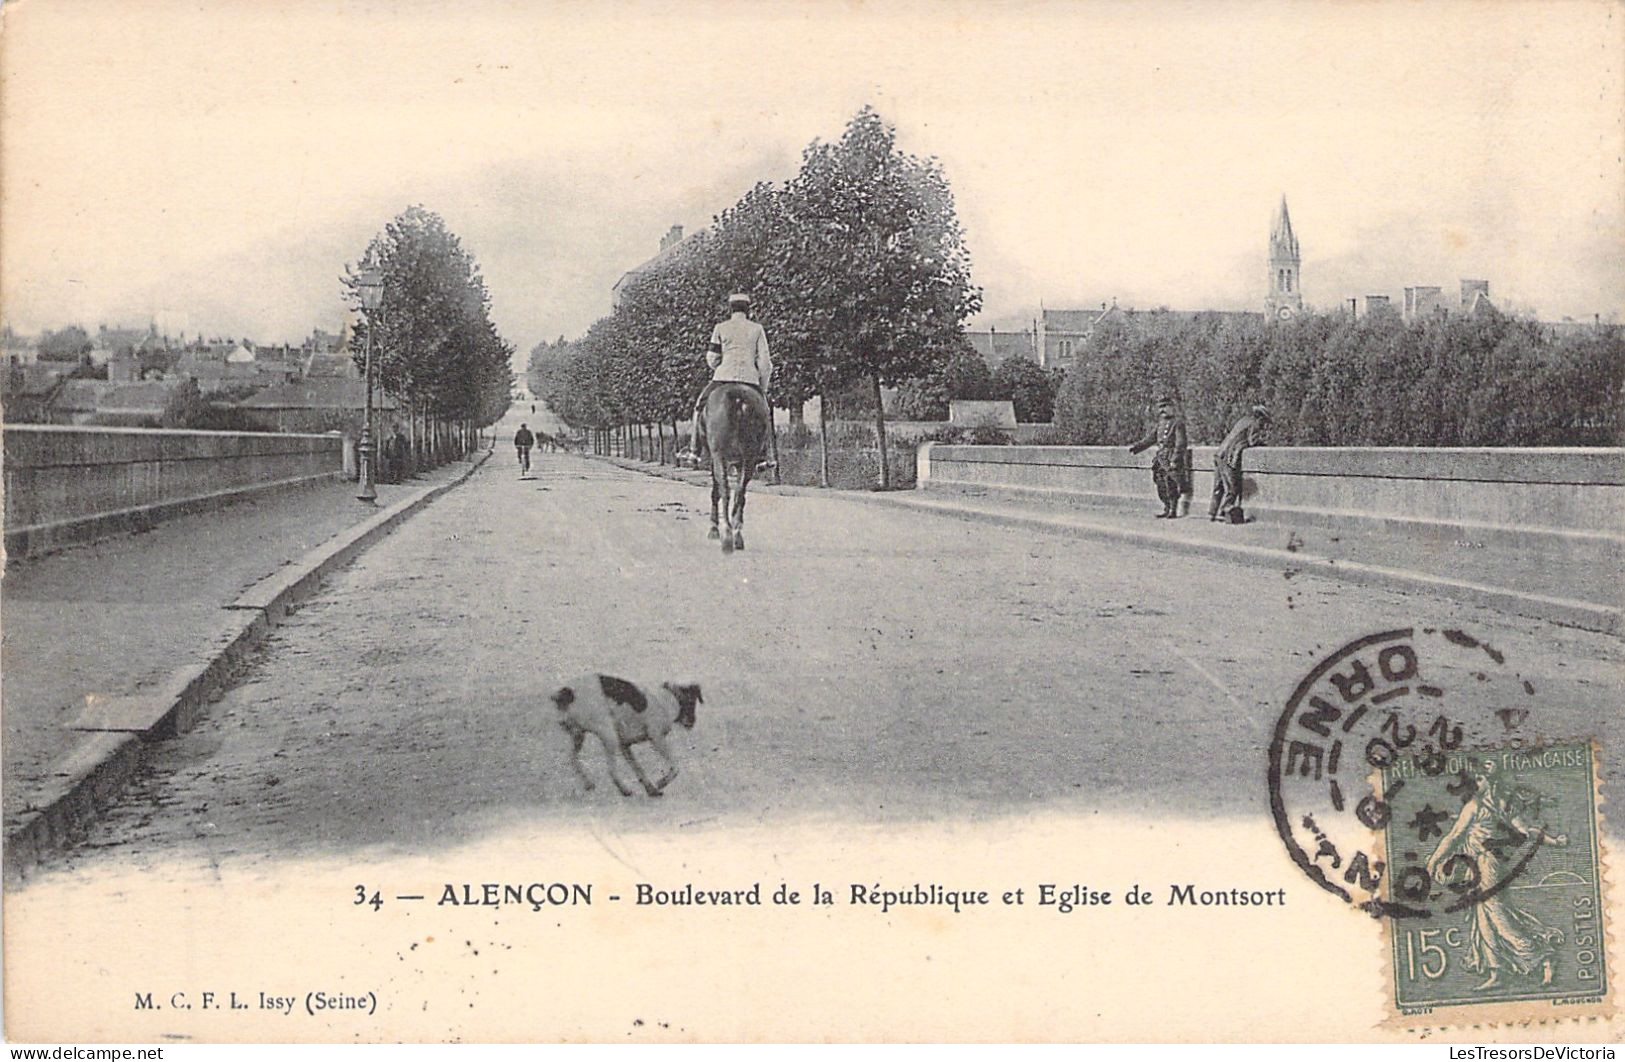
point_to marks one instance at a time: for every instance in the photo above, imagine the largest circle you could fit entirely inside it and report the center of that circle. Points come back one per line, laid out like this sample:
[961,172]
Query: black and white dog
[622,714]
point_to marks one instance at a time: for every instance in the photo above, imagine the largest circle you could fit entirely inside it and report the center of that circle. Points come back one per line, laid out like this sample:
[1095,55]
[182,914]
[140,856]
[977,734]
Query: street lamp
[371,286]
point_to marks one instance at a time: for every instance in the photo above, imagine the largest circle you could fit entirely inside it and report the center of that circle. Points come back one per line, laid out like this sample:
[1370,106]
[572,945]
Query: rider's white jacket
[738,352]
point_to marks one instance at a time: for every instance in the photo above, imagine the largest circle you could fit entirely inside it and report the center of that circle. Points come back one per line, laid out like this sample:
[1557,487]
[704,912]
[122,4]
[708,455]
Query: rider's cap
[1263,411]
[739,296]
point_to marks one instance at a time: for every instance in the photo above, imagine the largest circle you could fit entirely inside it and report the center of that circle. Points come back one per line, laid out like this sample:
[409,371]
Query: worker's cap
[1263,411]
[1165,403]
[739,297]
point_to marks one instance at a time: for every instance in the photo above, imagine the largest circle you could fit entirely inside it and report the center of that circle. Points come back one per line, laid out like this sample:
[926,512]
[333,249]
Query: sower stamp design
[1501,847]
[1381,800]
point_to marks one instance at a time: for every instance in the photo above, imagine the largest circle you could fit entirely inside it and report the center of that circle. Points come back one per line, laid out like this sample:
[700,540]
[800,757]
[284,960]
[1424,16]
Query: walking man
[523,440]
[1249,431]
[1167,464]
[737,354]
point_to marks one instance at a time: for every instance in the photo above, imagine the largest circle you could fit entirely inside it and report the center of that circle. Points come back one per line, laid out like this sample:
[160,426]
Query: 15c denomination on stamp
[1407,777]
[1501,846]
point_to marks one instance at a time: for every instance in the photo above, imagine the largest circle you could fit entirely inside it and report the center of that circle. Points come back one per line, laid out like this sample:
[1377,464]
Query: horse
[736,434]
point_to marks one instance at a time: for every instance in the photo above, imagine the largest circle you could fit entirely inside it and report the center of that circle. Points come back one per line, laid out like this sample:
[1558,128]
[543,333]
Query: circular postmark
[1383,771]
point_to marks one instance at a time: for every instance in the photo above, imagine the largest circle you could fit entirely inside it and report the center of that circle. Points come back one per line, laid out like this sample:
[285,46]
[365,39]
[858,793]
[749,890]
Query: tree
[1337,380]
[434,346]
[1029,388]
[925,399]
[185,407]
[65,344]
[857,269]
[964,375]
[878,261]
[967,376]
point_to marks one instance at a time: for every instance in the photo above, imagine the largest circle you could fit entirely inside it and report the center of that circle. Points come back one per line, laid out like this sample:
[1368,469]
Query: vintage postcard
[833,522]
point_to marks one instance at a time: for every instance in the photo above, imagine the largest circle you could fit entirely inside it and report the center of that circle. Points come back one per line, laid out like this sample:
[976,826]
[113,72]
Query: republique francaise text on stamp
[1405,778]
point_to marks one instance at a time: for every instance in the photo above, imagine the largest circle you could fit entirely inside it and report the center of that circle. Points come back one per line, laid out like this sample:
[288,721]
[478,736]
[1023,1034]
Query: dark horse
[736,426]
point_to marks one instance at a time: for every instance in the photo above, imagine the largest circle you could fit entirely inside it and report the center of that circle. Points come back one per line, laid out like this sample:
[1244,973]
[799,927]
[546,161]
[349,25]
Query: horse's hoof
[739,541]
[712,534]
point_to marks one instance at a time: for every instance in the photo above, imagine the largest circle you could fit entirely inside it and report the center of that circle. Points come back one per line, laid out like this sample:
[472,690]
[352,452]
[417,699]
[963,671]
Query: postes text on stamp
[1500,846]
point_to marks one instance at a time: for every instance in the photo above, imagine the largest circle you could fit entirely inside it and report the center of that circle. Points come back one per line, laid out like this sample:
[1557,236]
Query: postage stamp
[1501,846]
[1407,777]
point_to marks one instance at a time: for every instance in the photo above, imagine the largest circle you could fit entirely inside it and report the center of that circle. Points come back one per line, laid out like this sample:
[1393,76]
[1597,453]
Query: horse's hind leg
[728,529]
[716,493]
[737,521]
[719,474]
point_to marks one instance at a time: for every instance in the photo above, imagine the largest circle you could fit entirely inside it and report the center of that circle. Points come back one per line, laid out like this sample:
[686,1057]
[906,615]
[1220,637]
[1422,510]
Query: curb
[118,729]
[1585,615]
[1550,540]
[1567,612]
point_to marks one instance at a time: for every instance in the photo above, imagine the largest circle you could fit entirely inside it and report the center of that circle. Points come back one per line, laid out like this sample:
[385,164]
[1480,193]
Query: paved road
[857,662]
[118,615]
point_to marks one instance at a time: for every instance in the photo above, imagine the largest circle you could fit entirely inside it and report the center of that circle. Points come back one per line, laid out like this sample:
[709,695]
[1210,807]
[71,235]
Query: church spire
[1283,244]
[1284,299]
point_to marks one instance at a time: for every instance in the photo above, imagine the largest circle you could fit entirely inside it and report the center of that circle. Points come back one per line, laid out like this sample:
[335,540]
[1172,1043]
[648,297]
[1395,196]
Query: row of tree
[434,346]
[858,270]
[1337,380]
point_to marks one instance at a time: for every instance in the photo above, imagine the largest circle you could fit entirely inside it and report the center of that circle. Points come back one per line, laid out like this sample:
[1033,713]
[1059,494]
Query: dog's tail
[564,698]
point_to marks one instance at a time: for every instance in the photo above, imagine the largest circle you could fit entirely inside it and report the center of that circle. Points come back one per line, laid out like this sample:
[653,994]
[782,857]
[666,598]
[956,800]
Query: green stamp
[1494,893]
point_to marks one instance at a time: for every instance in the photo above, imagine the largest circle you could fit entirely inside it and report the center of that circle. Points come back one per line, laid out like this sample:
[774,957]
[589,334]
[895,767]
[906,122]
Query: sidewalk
[1581,586]
[119,616]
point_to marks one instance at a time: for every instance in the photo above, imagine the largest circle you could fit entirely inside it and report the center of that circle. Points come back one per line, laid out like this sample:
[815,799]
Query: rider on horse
[737,354]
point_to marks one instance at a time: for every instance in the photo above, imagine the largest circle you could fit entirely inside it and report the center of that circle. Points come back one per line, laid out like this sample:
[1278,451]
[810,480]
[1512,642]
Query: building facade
[669,243]
[1423,301]
[997,347]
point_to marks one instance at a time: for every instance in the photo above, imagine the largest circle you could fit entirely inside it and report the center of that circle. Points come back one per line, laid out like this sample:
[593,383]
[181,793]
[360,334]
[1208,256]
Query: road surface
[857,662]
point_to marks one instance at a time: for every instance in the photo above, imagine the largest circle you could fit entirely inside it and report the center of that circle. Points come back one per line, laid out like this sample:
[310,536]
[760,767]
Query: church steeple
[1285,299]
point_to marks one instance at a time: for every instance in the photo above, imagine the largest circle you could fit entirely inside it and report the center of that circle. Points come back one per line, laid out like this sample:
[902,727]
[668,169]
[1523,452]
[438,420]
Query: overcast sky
[219,164]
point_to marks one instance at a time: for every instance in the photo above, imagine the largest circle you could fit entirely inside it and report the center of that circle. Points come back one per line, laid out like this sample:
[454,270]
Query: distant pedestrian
[1249,431]
[1167,464]
[523,440]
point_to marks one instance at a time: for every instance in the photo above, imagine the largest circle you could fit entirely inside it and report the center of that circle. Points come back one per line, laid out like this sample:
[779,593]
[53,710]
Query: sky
[217,166]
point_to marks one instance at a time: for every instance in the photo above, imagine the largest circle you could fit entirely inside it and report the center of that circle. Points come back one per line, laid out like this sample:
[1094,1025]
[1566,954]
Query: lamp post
[371,285]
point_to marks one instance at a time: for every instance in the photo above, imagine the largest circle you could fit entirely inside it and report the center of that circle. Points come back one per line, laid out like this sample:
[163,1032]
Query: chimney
[673,237]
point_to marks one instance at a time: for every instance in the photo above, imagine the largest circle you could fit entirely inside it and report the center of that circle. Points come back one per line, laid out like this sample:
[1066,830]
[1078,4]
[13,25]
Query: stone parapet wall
[66,484]
[1506,492]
